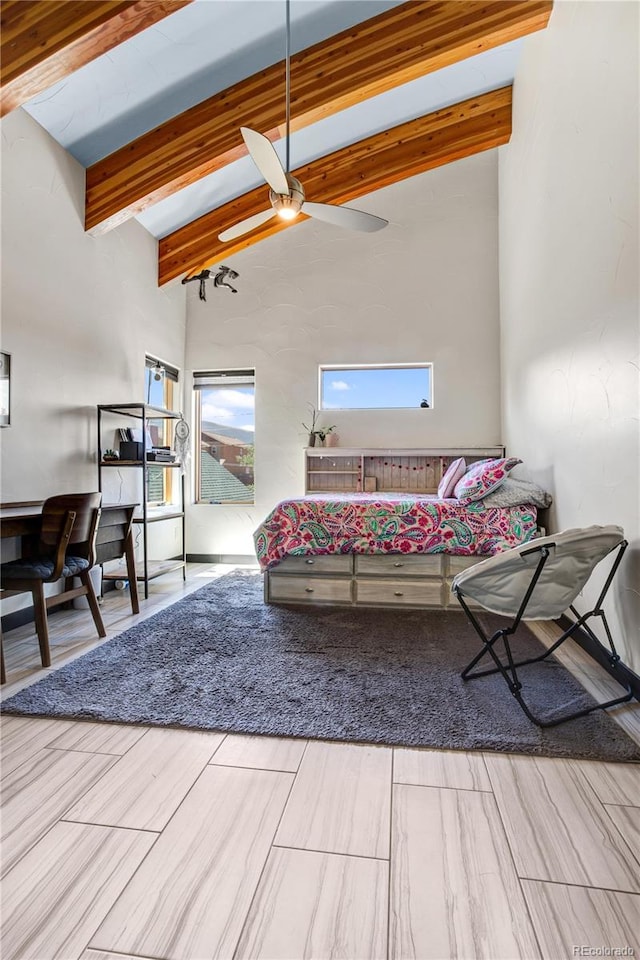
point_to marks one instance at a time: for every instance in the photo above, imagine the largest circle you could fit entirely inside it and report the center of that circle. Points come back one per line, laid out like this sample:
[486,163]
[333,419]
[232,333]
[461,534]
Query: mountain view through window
[226,420]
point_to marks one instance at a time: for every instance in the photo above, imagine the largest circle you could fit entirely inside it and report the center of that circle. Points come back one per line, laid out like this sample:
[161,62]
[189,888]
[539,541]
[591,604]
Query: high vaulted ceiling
[149,95]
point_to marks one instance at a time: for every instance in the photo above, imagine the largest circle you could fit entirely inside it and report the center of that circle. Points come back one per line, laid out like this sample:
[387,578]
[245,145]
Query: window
[376,386]
[160,380]
[225,418]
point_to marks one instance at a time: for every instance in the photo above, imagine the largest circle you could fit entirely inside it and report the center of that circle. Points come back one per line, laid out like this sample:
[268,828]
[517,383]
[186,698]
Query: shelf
[156,568]
[408,471]
[496,451]
[139,463]
[155,517]
[143,411]
[150,473]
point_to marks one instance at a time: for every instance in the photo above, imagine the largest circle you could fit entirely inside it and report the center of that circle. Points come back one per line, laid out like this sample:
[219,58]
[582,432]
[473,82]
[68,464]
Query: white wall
[569,278]
[423,289]
[78,315]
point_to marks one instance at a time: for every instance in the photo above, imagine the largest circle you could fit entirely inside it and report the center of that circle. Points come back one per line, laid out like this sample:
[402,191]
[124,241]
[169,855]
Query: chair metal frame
[509,670]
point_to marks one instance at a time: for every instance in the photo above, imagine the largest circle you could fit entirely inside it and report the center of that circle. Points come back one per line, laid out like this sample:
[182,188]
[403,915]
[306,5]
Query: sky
[353,389]
[154,389]
[229,406]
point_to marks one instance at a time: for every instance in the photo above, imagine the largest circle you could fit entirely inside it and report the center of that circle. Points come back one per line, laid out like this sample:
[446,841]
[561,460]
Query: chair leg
[508,670]
[86,581]
[68,585]
[42,626]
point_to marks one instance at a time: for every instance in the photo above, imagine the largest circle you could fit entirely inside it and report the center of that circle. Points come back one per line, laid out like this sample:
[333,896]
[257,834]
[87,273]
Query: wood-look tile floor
[135,843]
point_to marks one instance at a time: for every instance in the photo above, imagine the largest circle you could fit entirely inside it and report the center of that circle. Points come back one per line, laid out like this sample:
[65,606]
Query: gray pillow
[513,492]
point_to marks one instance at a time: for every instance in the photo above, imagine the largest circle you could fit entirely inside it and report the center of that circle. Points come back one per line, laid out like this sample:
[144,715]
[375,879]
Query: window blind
[223,378]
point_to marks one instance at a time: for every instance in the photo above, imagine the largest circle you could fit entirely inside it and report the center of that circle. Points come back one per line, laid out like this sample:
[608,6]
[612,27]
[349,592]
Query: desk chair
[540,580]
[66,548]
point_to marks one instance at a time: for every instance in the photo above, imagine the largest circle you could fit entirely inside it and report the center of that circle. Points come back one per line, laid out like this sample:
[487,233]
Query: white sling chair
[539,581]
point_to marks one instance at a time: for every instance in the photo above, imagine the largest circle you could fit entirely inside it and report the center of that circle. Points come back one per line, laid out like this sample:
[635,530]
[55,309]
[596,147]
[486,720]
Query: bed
[381,549]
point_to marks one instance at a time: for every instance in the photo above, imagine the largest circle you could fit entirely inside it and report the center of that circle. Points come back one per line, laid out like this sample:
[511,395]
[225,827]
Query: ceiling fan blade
[344,216]
[238,229]
[266,160]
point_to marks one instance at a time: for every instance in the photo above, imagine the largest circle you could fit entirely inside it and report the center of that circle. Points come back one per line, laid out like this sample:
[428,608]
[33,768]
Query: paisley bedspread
[391,523]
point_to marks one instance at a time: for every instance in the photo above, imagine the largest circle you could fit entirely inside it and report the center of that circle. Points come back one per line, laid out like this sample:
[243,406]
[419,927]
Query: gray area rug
[220,659]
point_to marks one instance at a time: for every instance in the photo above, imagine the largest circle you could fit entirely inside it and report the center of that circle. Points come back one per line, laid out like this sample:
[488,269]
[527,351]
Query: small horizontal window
[376,387]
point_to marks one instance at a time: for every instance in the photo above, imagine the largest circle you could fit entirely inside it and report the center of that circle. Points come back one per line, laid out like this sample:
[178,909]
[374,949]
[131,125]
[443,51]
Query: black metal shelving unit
[145,412]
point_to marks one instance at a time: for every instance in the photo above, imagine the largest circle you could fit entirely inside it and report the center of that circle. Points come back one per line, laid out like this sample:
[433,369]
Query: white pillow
[455,471]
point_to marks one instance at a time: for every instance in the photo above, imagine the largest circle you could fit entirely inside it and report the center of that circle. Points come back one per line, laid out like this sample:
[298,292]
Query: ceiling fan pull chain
[287,60]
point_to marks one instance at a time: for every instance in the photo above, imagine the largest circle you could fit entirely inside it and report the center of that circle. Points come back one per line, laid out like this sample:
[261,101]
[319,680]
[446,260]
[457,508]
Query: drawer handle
[309,561]
[308,589]
[398,564]
[398,593]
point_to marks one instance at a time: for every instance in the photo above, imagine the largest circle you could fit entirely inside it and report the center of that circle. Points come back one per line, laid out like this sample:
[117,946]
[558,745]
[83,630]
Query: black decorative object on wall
[221,279]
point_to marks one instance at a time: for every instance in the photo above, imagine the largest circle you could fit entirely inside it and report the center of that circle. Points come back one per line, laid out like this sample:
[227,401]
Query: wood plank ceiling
[42,43]
[394,48]
[411,148]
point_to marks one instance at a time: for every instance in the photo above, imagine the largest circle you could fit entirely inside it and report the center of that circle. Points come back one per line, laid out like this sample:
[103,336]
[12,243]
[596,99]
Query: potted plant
[312,430]
[325,432]
[315,432]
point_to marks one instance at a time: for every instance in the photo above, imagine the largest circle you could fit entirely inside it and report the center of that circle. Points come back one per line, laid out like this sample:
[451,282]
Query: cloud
[224,405]
[230,398]
[248,426]
[218,414]
[340,385]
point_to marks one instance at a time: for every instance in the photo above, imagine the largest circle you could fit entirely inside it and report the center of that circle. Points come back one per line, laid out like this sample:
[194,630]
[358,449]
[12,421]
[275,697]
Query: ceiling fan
[287,195]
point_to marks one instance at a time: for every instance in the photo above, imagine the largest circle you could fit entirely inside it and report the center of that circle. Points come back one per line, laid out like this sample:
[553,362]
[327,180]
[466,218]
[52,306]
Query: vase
[332,440]
[312,439]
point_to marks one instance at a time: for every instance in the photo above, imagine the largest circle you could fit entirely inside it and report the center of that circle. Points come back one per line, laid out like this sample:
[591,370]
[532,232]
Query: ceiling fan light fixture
[287,212]
[288,206]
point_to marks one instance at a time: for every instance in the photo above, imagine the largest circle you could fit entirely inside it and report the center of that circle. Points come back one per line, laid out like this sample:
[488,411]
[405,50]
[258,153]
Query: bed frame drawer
[399,565]
[399,593]
[335,565]
[458,564]
[310,589]
[380,580]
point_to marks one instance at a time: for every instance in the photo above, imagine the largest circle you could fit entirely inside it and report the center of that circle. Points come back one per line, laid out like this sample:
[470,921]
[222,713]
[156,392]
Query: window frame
[170,380]
[337,367]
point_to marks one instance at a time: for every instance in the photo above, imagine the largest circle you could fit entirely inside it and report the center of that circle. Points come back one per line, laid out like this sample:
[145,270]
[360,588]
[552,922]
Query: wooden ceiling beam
[43,42]
[379,54]
[449,134]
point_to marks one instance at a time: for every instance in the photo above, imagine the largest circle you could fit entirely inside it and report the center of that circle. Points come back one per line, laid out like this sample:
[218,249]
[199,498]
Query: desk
[114,538]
